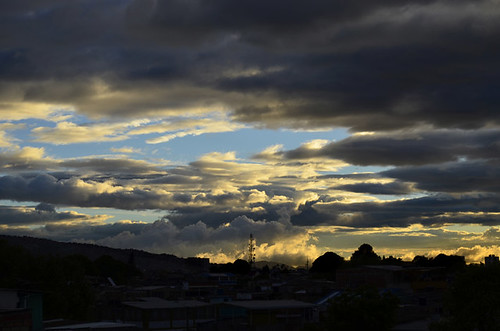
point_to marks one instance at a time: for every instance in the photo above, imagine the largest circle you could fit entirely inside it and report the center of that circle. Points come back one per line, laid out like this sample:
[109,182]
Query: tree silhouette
[241,267]
[453,262]
[421,261]
[392,261]
[365,255]
[120,272]
[473,301]
[328,262]
[450,262]
[362,309]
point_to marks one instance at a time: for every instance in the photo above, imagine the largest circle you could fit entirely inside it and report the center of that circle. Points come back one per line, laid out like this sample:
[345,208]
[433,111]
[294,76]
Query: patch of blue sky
[20,133]
[245,142]
[474,228]
[355,169]
[4,202]
[117,215]
[82,150]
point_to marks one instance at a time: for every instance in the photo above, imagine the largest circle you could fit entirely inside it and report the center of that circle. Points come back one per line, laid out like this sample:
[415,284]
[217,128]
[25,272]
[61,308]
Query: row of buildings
[276,300]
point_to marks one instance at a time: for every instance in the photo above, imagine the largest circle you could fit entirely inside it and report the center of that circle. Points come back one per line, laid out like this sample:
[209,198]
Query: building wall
[15,320]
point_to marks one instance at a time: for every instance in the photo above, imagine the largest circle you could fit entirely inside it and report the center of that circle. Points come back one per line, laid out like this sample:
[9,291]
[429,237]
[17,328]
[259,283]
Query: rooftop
[89,326]
[271,304]
[158,303]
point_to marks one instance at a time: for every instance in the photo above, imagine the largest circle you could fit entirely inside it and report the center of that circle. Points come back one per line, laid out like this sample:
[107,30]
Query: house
[261,315]
[155,313]
[96,326]
[15,319]
[491,260]
[20,310]
[380,276]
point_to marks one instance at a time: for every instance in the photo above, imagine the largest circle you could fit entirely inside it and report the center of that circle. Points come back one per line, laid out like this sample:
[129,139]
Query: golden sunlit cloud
[69,133]
[5,139]
[15,111]
[125,150]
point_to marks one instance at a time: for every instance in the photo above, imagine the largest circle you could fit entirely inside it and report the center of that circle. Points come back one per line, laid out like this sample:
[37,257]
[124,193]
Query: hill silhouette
[144,261]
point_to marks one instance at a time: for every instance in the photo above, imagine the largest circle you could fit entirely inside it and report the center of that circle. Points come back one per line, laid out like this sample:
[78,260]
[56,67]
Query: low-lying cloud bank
[275,241]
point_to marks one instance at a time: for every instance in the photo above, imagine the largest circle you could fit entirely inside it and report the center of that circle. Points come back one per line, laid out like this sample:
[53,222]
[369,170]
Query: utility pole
[251,250]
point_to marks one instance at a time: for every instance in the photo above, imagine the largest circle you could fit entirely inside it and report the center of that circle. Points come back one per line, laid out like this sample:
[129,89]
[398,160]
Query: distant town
[49,285]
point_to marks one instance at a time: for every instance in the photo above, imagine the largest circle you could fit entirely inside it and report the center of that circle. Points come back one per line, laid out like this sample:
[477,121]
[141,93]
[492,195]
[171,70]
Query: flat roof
[150,288]
[158,303]
[271,304]
[386,267]
[95,325]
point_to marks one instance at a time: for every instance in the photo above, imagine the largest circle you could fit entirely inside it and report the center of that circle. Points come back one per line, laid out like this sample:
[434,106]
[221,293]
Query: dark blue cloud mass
[414,84]
[364,65]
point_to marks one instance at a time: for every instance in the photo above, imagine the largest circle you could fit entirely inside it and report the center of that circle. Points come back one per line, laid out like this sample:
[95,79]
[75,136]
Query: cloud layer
[365,66]
[414,83]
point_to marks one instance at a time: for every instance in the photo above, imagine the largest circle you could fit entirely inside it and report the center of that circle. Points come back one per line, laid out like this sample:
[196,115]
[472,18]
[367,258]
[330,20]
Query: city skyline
[182,127]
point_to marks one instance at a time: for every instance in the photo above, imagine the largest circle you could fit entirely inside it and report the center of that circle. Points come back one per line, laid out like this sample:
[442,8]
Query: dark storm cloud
[394,188]
[423,74]
[408,68]
[215,217]
[128,195]
[367,65]
[406,148]
[77,192]
[492,233]
[249,17]
[173,179]
[119,166]
[45,207]
[466,176]
[41,214]
[428,211]
[24,161]
[163,236]
[71,231]
[356,176]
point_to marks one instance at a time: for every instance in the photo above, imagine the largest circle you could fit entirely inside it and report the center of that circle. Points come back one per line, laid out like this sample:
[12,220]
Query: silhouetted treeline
[363,308]
[472,298]
[64,281]
[447,261]
[239,266]
[329,262]
[473,301]
[360,309]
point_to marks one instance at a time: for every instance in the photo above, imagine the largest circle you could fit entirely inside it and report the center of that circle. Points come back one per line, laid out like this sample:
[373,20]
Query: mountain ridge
[145,261]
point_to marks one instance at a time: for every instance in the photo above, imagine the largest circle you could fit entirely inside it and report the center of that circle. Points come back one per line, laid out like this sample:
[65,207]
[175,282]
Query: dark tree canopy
[449,261]
[421,261]
[392,261]
[120,272]
[362,309]
[241,267]
[66,293]
[473,301]
[453,262]
[365,255]
[328,262]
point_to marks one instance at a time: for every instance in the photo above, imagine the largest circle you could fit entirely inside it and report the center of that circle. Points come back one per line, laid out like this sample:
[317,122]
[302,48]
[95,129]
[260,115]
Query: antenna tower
[251,250]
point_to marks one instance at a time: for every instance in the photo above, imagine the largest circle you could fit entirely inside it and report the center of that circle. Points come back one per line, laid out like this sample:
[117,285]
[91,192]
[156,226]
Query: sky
[182,126]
